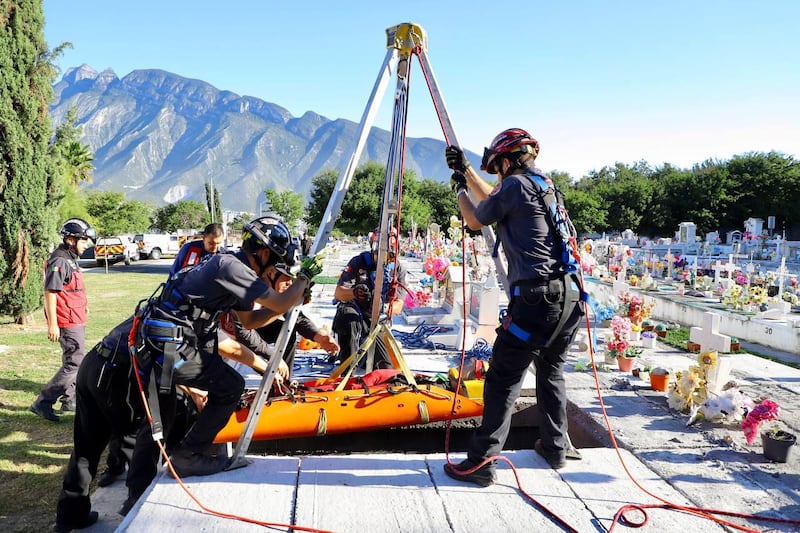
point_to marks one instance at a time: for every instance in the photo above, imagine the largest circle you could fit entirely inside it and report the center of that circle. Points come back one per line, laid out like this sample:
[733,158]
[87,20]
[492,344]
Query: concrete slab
[411,493]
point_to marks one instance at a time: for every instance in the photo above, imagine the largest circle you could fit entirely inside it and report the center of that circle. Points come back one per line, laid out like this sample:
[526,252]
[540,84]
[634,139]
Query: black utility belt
[539,286]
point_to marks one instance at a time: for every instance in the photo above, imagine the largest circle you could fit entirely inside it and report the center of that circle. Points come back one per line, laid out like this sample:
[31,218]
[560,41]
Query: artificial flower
[766,410]
[707,360]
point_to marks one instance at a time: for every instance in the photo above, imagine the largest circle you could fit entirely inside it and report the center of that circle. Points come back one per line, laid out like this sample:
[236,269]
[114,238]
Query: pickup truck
[154,245]
[115,249]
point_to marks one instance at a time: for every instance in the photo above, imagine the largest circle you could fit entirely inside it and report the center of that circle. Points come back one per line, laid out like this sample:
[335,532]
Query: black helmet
[269,232]
[78,228]
[288,270]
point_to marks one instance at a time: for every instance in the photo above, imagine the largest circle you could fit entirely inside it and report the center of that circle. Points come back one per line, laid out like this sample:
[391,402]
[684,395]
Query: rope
[419,337]
[481,349]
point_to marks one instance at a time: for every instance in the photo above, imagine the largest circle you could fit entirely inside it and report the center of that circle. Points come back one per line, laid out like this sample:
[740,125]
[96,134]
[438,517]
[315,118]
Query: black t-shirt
[522,226]
[221,283]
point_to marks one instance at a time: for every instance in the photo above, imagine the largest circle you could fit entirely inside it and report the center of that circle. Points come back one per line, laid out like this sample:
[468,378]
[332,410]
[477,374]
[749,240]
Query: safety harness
[164,337]
[569,264]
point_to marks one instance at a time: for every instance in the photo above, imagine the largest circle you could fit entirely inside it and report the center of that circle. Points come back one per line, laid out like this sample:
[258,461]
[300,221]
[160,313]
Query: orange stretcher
[318,413]
[344,404]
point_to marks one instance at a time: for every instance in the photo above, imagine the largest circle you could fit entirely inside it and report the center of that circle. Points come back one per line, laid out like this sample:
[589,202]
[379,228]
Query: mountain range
[160,137]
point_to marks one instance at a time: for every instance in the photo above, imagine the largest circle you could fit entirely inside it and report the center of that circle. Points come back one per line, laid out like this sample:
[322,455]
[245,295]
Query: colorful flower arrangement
[618,344]
[604,312]
[436,266]
[766,410]
[689,390]
[418,298]
[636,308]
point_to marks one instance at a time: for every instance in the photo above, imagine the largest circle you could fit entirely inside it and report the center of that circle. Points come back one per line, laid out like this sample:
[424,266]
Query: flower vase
[636,335]
[648,342]
[659,382]
[625,364]
[777,445]
[719,374]
[609,359]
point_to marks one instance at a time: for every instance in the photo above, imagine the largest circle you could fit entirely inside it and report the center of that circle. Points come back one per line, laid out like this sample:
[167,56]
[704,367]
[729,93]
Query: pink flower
[766,410]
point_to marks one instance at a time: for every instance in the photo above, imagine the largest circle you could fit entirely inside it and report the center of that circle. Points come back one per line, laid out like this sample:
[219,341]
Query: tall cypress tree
[29,185]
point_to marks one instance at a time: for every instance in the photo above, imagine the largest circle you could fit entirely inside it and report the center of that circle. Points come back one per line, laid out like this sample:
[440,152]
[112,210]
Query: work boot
[188,463]
[67,407]
[109,476]
[484,476]
[45,411]
[64,527]
[130,501]
[553,459]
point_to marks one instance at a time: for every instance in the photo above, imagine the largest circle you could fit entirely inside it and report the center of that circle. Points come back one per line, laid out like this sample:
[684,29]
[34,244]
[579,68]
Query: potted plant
[735,344]
[661,330]
[777,444]
[648,339]
[648,325]
[659,379]
[626,359]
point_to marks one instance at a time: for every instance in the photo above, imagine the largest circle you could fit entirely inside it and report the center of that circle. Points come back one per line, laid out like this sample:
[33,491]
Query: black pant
[102,413]
[351,327]
[511,358]
[207,371]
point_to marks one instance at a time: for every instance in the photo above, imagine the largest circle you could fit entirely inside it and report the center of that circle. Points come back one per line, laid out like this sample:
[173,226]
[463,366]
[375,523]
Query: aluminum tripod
[403,42]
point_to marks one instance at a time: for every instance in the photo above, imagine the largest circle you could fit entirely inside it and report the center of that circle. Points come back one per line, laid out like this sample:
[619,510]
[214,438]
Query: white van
[154,245]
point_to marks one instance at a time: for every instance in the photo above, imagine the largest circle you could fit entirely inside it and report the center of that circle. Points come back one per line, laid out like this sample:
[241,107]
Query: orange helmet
[514,140]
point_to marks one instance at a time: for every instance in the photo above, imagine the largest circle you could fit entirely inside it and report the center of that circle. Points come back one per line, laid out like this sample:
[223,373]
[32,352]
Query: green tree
[289,205]
[29,187]
[111,214]
[215,210]
[424,201]
[74,159]
[180,215]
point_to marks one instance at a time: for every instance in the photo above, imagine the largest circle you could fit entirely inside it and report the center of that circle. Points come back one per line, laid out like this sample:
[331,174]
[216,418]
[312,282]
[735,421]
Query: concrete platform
[706,465]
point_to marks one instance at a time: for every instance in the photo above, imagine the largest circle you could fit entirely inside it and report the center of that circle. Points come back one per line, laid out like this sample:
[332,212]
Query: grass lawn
[33,451]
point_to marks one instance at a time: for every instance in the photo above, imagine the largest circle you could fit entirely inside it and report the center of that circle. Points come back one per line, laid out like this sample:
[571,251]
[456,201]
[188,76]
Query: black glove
[458,181]
[456,158]
[362,293]
[307,294]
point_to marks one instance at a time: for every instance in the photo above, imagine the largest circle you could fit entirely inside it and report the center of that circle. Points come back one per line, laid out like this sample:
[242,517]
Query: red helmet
[373,238]
[507,142]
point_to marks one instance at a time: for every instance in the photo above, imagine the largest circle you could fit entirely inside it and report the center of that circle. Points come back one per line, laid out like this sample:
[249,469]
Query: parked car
[154,245]
[115,249]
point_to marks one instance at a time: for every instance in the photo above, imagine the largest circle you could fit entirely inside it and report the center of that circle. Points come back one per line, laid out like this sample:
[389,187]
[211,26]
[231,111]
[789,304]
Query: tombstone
[708,336]
[620,287]
[781,274]
[733,237]
[628,237]
[453,290]
[754,226]
[484,307]
[712,237]
[687,232]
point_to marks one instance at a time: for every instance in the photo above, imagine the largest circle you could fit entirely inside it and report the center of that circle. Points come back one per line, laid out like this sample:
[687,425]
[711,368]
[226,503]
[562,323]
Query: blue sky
[596,82]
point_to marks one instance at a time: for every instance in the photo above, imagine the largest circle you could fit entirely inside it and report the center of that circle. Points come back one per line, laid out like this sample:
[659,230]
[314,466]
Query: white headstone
[620,287]
[781,274]
[687,232]
[708,336]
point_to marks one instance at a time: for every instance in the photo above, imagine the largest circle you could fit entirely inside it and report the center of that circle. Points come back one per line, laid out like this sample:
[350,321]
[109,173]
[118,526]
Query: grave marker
[708,336]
